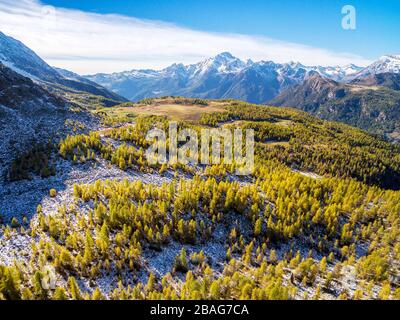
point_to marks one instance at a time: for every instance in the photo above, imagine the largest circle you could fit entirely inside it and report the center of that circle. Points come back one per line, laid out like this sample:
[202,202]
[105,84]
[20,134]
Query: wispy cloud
[89,43]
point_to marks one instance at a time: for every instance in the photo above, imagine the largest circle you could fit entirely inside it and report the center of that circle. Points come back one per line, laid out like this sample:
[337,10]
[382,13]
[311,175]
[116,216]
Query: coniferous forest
[317,219]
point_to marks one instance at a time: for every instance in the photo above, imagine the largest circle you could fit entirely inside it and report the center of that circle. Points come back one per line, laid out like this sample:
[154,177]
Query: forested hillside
[317,219]
[371,104]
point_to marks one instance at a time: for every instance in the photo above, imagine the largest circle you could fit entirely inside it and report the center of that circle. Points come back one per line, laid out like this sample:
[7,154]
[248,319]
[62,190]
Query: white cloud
[89,43]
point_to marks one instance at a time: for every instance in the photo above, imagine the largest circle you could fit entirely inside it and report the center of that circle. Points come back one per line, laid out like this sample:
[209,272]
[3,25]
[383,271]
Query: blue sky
[312,22]
[110,36]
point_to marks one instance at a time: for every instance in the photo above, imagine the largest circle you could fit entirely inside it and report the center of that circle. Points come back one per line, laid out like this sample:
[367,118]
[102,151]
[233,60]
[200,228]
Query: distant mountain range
[222,76]
[225,76]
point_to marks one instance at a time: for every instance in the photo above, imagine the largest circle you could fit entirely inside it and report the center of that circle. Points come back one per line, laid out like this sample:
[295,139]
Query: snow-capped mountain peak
[385,64]
[224,56]
[351,69]
[15,55]
[338,73]
[224,62]
[390,57]
[295,65]
[388,63]
[176,69]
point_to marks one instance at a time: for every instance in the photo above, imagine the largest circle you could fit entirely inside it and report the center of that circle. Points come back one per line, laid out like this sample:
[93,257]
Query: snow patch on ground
[15,248]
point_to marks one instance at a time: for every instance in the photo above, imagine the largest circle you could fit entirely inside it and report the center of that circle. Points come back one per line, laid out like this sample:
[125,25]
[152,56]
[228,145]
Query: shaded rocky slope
[29,115]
